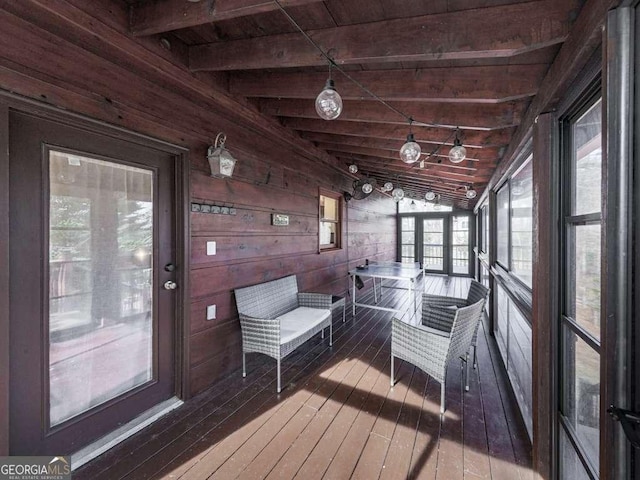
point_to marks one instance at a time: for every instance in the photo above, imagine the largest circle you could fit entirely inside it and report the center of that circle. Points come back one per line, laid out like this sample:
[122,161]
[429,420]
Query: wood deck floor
[337,417]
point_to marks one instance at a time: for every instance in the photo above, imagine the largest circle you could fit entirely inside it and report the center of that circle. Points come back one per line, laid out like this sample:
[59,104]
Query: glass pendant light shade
[329,102]
[367,188]
[397,194]
[430,196]
[410,151]
[388,187]
[471,193]
[457,153]
[353,168]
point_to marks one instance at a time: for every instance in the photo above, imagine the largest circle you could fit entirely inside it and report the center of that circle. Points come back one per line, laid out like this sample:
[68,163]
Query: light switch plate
[211,312]
[211,248]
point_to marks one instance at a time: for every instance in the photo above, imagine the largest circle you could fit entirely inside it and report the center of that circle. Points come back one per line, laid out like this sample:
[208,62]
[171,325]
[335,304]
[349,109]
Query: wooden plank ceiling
[468,64]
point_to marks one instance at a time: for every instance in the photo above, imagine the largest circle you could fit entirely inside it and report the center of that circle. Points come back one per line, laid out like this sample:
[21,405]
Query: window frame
[337,244]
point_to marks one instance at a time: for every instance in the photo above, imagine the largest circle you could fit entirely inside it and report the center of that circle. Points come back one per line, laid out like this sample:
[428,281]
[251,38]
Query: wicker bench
[276,319]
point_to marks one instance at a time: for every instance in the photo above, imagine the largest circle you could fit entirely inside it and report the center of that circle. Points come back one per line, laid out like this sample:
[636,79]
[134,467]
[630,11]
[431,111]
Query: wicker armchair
[477,292]
[275,318]
[430,349]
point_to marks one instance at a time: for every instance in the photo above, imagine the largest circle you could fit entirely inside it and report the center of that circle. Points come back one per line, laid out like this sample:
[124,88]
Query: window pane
[584,277]
[503,225]
[581,394]
[586,134]
[485,228]
[502,331]
[520,371]
[408,223]
[522,224]
[570,466]
[484,279]
[328,232]
[100,282]
[328,208]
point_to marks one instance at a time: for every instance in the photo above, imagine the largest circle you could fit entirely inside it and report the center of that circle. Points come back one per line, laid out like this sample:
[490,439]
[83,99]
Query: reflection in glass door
[433,245]
[100,282]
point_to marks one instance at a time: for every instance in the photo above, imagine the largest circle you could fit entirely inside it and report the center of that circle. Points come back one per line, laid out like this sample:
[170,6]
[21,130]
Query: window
[330,220]
[484,240]
[407,240]
[580,306]
[522,223]
[460,244]
[502,217]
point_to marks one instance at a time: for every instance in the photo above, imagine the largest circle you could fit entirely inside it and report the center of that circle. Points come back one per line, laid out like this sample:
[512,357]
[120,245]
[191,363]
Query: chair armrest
[260,331]
[440,300]
[315,300]
[438,317]
[418,342]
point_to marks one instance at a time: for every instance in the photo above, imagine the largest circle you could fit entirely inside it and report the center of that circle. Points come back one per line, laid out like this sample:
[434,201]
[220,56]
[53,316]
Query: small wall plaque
[279,219]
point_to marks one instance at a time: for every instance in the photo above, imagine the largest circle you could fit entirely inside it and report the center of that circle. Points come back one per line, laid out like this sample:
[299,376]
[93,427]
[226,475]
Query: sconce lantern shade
[410,151]
[221,161]
[457,153]
[329,102]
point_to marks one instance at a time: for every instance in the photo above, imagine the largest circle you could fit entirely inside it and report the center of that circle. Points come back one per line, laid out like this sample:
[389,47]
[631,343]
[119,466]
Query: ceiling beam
[492,84]
[467,116]
[436,136]
[473,154]
[167,15]
[501,31]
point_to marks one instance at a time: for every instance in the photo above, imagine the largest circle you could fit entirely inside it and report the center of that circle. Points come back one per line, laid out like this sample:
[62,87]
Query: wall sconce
[221,161]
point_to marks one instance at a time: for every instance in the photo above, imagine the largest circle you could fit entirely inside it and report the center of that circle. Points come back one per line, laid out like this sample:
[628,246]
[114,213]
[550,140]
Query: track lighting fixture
[457,153]
[328,101]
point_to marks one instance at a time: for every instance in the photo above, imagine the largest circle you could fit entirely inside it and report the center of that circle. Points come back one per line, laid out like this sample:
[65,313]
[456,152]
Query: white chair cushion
[299,320]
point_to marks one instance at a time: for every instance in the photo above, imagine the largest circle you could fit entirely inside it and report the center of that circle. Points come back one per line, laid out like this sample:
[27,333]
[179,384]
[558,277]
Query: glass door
[92,290]
[433,245]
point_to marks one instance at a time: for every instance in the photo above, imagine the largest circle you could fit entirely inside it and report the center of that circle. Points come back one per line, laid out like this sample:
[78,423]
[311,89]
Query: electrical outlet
[211,312]
[211,248]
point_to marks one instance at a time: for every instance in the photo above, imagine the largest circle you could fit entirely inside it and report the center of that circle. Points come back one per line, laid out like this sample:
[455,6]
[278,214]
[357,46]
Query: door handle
[630,422]
[169,285]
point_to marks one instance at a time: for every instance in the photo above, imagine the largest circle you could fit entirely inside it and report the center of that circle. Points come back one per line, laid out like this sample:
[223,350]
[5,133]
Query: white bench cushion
[299,320]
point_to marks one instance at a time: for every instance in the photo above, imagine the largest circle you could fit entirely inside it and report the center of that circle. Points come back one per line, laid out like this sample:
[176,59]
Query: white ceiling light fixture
[397,194]
[457,153]
[353,168]
[329,101]
[470,193]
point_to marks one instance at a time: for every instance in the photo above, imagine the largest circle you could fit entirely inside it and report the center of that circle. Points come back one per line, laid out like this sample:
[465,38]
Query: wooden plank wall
[79,56]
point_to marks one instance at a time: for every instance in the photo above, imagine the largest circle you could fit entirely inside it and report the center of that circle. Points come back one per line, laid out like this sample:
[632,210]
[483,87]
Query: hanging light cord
[332,63]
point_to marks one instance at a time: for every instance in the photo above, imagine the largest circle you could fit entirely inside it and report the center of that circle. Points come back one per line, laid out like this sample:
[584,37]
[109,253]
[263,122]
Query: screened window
[460,244]
[330,221]
[522,223]
[484,214]
[502,218]
[408,240]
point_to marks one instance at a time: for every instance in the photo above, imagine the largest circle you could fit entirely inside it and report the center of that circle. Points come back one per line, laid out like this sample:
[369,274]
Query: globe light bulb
[457,153]
[410,151]
[367,188]
[397,194]
[388,187]
[471,193]
[430,195]
[353,168]
[329,102]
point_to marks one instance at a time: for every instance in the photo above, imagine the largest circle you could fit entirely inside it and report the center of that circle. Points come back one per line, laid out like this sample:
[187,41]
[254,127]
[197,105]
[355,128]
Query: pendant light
[470,193]
[430,196]
[397,194]
[457,153]
[388,187]
[353,168]
[367,187]
[410,151]
[328,101]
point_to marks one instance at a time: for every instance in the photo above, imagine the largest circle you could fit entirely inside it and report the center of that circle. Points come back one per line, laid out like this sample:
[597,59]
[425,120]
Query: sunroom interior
[170,153]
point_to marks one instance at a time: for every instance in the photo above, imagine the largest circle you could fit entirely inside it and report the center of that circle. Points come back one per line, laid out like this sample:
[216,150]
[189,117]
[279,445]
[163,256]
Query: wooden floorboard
[337,416]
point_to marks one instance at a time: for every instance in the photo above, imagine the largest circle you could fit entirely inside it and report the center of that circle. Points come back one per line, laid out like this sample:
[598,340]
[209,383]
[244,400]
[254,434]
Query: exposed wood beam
[479,154]
[436,136]
[456,84]
[166,15]
[501,31]
[466,116]
[585,38]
